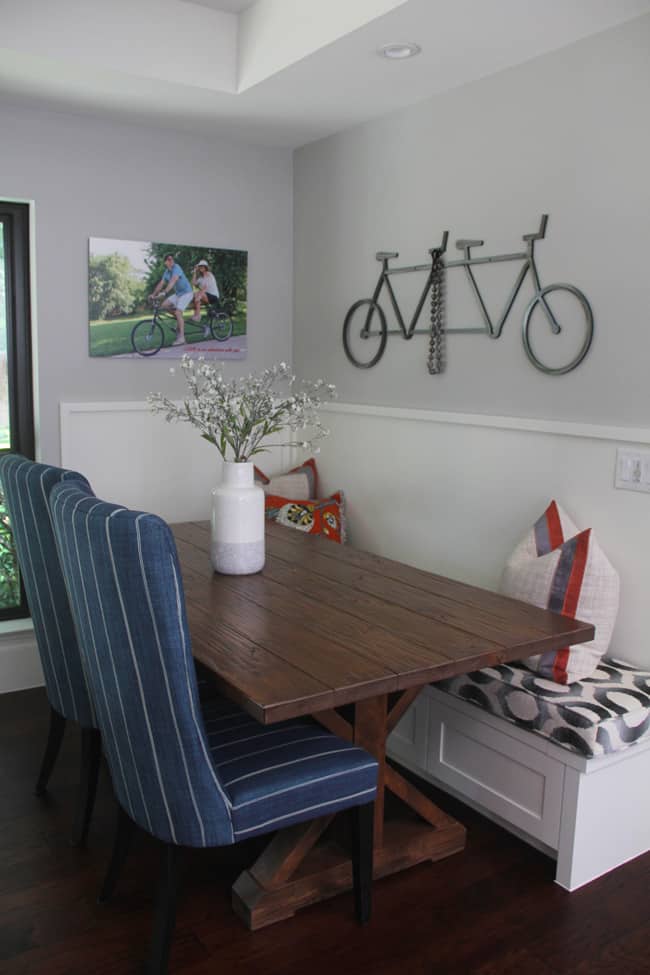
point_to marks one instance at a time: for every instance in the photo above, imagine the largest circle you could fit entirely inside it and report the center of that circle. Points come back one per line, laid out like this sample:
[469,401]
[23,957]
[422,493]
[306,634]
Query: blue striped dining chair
[26,486]
[189,774]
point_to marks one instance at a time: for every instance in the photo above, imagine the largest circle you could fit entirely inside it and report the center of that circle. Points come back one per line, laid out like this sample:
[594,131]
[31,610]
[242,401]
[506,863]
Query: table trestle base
[301,866]
[327,870]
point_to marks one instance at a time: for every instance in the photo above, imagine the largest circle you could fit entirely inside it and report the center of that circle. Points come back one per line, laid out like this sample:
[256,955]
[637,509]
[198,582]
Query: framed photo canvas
[157,300]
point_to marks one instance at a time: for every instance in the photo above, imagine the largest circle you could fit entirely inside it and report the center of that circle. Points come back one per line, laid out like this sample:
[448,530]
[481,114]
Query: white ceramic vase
[237,544]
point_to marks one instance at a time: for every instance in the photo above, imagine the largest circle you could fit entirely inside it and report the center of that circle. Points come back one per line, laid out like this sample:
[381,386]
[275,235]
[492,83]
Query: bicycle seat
[386,255]
[463,244]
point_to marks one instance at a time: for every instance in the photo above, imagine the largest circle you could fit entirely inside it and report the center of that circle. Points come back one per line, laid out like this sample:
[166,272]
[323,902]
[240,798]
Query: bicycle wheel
[365,333]
[552,355]
[221,326]
[147,337]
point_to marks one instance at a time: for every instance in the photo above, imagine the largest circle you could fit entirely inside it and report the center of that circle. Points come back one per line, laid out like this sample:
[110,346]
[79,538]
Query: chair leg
[124,830]
[165,918]
[205,682]
[91,753]
[54,739]
[363,818]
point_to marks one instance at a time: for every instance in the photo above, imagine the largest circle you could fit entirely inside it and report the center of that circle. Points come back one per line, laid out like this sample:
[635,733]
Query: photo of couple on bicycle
[155,299]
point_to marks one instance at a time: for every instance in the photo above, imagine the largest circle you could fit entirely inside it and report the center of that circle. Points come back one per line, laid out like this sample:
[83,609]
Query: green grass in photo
[113,336]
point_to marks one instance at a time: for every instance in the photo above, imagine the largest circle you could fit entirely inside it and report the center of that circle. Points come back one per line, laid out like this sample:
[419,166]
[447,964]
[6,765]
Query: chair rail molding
[563,428]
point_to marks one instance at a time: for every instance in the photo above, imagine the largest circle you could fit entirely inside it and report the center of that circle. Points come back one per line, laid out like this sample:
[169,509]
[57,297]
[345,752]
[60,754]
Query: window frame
[15,218]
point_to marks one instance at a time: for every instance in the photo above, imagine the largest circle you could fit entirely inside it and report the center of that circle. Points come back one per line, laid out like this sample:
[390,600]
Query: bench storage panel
[514,781]
[590,814]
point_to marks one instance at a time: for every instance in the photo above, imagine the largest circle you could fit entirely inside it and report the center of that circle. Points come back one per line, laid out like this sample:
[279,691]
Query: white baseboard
[20,665]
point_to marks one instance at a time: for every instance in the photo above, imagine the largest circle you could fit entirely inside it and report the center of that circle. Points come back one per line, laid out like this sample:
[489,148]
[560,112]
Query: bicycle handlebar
[541,232]
[443,245]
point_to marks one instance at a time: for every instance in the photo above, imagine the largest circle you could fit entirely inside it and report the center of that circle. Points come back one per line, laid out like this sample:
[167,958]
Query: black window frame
[15,219]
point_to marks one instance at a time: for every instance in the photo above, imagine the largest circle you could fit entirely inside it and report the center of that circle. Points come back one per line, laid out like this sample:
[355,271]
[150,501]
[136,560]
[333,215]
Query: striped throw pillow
[300,483]
[572,576]
[550,530]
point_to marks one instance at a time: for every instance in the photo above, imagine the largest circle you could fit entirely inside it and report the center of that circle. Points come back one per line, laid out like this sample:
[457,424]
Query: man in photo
[174,279]
[207,292]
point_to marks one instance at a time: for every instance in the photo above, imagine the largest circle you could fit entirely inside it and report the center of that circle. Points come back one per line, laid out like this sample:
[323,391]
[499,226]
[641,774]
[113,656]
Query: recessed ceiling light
[398,52]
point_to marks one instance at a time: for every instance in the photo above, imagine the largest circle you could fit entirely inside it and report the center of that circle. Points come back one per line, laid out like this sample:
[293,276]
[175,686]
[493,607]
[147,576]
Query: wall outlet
[632,470]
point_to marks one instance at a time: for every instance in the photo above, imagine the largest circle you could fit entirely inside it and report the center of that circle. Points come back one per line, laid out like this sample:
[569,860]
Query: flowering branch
[237,416]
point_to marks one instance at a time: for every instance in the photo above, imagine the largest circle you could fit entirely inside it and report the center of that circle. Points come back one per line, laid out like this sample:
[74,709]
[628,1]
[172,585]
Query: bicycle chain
[436,358]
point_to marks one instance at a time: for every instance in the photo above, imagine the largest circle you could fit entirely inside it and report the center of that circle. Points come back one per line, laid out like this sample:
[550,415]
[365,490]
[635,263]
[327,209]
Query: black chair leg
[205,682]
[54,739]
[121,843]
[363,818]
[91,753]
[165,918]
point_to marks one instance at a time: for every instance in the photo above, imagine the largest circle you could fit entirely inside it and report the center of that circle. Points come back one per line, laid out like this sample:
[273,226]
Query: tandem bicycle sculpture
[365,330]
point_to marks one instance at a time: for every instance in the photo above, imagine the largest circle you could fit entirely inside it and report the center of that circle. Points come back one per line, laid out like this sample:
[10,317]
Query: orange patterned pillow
[321,517]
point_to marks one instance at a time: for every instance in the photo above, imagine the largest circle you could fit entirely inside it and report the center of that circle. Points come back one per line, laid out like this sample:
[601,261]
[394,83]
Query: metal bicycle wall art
[365,330]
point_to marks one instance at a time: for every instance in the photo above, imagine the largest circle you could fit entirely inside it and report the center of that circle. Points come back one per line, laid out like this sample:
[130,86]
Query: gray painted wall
[93,178]
[566,134]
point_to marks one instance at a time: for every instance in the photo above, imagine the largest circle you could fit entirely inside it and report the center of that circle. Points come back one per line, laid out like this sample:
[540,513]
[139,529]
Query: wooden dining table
[349,638]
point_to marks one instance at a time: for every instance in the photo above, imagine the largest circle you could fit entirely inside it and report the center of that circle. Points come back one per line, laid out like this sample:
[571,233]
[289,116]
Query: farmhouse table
[326,626]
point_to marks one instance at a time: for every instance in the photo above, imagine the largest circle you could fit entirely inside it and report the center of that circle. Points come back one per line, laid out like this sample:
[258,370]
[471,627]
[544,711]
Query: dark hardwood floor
[492,910]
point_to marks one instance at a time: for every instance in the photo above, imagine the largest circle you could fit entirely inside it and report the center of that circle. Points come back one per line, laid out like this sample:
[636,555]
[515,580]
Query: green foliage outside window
[9,577]
[4,414]
[3,300]
[16,405]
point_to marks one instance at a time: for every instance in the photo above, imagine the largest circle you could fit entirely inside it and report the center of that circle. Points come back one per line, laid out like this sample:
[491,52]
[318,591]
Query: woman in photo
[207,290]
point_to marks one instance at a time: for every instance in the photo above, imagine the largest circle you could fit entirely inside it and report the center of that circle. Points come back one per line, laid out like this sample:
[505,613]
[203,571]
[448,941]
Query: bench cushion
[604,713]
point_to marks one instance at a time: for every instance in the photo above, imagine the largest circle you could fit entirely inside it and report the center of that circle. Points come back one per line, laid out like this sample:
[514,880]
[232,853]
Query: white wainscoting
[137,459]
[453,493]
[446,491]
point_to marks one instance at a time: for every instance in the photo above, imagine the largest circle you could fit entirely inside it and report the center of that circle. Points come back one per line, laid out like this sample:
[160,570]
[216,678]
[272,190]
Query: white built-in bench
[566,769]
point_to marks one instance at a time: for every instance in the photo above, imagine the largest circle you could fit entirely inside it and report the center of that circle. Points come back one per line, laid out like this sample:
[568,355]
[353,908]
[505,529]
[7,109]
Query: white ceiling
[283,72]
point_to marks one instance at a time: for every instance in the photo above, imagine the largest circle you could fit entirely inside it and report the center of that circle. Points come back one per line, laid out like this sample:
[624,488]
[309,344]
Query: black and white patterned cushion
[604,713]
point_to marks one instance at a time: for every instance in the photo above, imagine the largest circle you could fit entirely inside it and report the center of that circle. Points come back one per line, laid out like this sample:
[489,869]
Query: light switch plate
[632,470]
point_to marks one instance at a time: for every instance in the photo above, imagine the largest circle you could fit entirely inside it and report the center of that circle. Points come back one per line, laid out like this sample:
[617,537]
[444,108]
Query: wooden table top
[325,625]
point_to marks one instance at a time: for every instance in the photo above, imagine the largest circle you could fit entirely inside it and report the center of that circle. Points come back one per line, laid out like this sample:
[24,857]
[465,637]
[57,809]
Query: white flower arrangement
[238,415]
